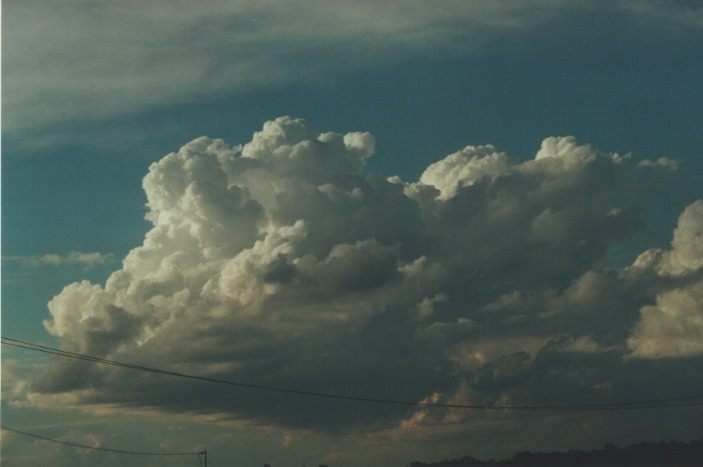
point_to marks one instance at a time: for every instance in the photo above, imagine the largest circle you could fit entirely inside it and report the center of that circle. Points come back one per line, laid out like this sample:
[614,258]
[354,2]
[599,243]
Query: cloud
[281,262]
[54,259]
[464,168]
[677,13]
[665,162]
[220,47]
[673,327]
[186,54]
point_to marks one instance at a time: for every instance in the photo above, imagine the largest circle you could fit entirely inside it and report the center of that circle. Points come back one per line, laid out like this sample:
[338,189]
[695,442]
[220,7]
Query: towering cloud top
[282,263]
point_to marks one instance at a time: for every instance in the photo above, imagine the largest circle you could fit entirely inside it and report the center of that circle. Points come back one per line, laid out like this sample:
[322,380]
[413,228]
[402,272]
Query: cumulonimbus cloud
[282,263]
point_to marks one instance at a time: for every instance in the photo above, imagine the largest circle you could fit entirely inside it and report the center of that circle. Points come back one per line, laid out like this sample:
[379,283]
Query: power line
[85,446]
[671,402]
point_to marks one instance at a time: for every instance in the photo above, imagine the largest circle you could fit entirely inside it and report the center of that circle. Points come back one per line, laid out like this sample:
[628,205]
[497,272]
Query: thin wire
[632,405]
[84,446]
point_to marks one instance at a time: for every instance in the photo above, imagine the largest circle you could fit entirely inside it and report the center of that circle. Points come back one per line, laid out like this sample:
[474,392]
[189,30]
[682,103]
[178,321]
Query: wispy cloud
[87,60]
[97,59]
[674,13]
[54,259]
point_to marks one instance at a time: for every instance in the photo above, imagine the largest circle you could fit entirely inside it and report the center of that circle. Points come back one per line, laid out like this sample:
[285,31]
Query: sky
[366,229]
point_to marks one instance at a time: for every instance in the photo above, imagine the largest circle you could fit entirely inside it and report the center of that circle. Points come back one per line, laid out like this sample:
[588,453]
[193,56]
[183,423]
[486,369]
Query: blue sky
[483,203]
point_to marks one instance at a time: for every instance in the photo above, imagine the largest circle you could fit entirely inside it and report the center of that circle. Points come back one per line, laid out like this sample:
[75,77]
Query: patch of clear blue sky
[619,91]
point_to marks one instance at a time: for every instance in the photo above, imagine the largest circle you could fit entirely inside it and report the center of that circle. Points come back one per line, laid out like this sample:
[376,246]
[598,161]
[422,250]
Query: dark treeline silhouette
[646,453]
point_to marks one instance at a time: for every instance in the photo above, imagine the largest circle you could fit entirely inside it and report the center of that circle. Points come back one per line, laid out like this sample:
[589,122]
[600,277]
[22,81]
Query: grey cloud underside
[282,263]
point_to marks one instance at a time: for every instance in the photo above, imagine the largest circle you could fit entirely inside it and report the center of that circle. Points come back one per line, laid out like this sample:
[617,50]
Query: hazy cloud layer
[281,262]
[80,56]
[76,60]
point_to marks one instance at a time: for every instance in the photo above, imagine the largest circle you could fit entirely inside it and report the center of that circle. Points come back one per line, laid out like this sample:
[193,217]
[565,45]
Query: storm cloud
[282,262]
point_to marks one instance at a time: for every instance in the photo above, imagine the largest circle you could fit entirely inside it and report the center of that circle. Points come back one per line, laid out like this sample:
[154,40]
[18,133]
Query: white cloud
[54,259]
[686,253]
[281,262]
[687,244]
[673,327]
[665,162]
[565,147]
[464,168]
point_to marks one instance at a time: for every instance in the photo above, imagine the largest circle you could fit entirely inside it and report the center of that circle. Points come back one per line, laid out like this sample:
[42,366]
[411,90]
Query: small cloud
[52,259]
[583,344]
[662,162]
